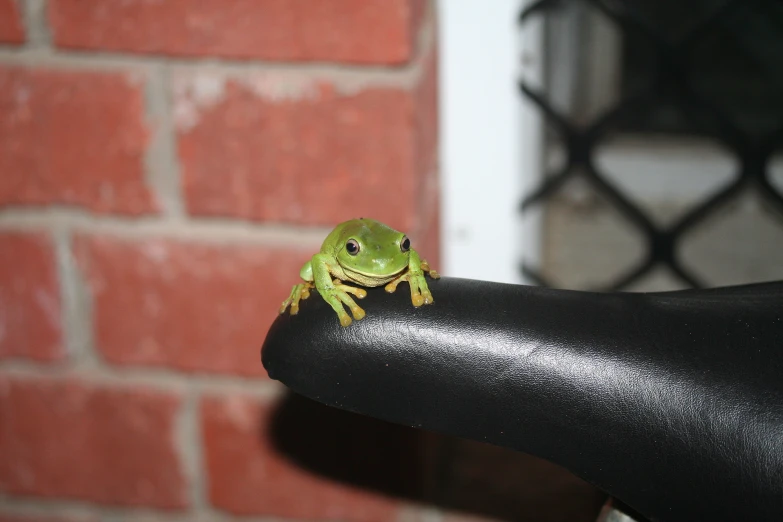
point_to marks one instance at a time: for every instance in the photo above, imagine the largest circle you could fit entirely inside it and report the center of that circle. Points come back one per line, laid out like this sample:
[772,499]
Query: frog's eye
[352,246]
[405,244]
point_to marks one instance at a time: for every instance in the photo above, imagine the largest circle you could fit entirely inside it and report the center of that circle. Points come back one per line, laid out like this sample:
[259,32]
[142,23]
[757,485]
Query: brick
[248,476]
[427,236]
[43,518]
[350,31]
[277,147]
[30,307]
[11,29]
[427,241]
[73,138]
[189,306]
[426,114]
[68,438]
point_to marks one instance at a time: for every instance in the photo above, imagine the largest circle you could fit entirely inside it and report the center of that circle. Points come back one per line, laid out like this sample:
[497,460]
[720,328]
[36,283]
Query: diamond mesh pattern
[753,147]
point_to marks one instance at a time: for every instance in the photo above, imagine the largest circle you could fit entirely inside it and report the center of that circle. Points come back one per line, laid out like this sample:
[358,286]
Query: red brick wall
[165,168]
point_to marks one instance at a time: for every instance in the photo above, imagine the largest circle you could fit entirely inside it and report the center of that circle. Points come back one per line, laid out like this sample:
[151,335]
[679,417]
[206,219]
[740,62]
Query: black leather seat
[670,402]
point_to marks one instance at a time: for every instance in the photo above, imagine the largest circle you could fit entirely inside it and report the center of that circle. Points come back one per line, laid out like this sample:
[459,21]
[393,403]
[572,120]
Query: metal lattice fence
[745,119]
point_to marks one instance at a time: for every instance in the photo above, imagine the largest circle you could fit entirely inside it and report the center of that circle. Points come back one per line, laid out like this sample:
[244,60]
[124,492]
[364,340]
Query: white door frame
[490,138]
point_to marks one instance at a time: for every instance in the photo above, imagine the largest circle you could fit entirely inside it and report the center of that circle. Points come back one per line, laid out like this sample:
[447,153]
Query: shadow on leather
[458,476]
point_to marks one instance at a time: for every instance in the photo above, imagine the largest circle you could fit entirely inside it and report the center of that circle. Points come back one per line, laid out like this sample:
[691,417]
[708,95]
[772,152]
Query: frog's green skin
[382,259]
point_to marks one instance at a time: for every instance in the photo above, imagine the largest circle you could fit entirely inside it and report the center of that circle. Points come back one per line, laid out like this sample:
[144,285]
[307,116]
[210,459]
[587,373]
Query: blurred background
[166,167]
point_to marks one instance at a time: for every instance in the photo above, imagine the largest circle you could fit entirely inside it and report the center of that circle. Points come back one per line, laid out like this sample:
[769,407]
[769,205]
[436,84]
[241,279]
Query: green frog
[364,252]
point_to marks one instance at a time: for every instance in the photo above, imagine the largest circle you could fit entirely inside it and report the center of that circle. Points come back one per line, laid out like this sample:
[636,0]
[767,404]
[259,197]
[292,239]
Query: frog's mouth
[353,273]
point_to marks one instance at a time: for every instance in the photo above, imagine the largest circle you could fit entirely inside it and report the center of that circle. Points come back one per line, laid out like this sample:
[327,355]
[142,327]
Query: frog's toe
[361,293]
[358,313]
[425,266]
[392,287]
[345,320]
[298,292]
[283,307]
[417,299]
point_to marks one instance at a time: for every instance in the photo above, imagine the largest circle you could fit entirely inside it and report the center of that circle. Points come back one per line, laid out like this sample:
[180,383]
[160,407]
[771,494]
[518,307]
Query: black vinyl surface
[670,402]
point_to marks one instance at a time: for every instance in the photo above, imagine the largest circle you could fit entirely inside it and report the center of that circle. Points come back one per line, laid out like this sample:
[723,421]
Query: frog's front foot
[300,291]
[337,296]
[420,292]
[426,268]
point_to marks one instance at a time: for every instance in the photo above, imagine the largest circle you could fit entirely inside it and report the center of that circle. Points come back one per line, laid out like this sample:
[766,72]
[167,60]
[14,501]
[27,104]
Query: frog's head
[372,250]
